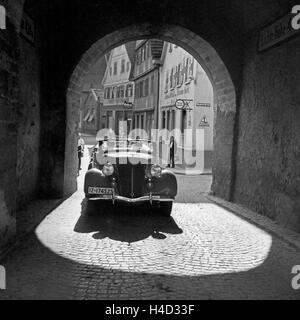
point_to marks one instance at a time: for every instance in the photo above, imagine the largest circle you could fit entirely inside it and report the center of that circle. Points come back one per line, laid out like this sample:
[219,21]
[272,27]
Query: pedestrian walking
[80,150]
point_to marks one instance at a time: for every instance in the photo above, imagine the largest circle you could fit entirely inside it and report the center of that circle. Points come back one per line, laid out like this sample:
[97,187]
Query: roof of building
[93,79]
[156,48]
[130,48]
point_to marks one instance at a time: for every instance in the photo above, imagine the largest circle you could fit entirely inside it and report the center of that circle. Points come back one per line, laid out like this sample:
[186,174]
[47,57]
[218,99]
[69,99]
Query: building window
[137,89]
[142,122]
[163,125]
[143,53]
[173,119]
[115,68]
[186,65]
[106,93]
[141,89]
[110,71]
[113,92]
[127,66]
[137,58]
[168,120]
[148,49]
[172,79]
[129,90]
[136,93]
[167,81]
[121,92]
[152,84]
[123,66]
[191,68]
[146,87]
[180,74]
[176,76]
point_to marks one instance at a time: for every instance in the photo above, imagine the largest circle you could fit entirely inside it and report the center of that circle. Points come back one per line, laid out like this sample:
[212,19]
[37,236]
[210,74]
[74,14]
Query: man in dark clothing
[80,149]
[172,147]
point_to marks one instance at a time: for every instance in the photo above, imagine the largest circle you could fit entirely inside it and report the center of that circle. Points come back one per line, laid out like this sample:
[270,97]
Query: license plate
[107,192]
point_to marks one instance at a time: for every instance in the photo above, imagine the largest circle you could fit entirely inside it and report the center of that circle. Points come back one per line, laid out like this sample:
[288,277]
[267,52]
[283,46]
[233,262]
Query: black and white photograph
[149,151]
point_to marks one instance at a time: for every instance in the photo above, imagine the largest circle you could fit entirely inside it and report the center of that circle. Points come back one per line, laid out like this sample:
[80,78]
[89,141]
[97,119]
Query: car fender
[166,184]
[95,178]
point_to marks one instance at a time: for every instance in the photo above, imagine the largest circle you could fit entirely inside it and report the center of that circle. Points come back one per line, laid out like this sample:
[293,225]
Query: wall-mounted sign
[179,104]
[2,18]
[128,105]
[204,122]
[28,28]
[203,105]
[277,32]
[183,104]
[2,278]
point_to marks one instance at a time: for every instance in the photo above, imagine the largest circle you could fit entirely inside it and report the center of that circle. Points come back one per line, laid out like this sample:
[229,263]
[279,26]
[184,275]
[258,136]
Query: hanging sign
[280,30]
[2,18]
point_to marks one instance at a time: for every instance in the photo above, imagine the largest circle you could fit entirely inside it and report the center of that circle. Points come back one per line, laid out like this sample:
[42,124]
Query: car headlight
[108,169]
[156,170]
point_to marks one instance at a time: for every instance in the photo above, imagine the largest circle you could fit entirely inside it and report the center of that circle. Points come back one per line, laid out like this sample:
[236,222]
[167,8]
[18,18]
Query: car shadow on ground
[125,223]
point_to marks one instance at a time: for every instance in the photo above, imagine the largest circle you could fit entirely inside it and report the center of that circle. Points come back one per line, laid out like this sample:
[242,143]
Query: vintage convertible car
[125,172]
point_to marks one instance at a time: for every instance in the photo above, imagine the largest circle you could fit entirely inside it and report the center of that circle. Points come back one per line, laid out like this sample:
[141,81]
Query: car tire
[166,208]
[90,207]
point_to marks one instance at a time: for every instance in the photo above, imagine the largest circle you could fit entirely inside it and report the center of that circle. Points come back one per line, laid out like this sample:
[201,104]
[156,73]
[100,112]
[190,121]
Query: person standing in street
[172,147]
[80,150]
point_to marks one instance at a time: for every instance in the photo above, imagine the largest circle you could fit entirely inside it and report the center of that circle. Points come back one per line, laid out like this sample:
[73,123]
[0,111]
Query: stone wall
[28,123]
[19,122]
[268,157]
[8,132]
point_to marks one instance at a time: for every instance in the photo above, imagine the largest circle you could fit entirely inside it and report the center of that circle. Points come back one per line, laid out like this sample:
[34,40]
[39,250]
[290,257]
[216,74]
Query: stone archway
[224,97]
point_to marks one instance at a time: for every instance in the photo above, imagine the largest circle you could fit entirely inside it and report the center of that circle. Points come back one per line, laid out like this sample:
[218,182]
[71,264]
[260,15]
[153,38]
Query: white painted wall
[198,88]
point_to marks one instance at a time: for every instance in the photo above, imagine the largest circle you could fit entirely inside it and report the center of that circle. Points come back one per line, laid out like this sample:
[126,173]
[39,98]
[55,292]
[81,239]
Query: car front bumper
[149,198]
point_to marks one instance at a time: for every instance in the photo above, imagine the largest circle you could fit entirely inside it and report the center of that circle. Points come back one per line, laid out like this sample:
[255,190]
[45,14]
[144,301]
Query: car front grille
[131,180]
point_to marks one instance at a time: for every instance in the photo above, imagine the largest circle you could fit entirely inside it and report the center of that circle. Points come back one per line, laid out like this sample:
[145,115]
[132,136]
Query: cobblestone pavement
[203,251]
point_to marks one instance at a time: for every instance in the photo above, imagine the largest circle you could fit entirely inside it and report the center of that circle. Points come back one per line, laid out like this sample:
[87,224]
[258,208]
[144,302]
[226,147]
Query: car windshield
[126,145]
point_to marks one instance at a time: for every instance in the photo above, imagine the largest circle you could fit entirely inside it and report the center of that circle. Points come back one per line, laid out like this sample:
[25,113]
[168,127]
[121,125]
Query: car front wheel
[91,207]
[166,208]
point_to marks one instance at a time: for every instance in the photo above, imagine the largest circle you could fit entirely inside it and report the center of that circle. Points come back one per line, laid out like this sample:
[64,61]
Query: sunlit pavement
[203,252]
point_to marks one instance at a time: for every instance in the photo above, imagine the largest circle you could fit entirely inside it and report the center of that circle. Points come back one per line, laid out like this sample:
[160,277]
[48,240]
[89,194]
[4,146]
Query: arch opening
[224,97]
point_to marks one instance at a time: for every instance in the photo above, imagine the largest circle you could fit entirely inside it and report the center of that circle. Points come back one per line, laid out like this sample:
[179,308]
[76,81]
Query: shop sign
[28,28]
[280,30]
[203,105]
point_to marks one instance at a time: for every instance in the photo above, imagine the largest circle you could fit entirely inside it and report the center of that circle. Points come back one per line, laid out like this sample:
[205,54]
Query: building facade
[90,104]
[117,110]
[92,98]
[145,75]
[184,80]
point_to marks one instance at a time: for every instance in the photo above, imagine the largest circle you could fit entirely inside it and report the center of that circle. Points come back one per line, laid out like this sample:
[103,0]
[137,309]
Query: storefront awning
[87,115]
[92,116]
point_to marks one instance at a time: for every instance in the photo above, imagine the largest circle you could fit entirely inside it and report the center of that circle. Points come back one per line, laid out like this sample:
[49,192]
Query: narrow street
[202,252]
